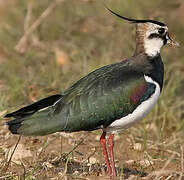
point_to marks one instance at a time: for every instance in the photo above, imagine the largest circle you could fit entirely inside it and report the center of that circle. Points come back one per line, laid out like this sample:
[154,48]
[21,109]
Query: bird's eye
[161,31]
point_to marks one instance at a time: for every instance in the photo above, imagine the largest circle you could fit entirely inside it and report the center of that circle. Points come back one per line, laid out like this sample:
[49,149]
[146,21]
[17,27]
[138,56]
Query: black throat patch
[157,72]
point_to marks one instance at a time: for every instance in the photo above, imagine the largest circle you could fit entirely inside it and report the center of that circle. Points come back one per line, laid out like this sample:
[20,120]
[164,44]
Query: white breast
[139,113]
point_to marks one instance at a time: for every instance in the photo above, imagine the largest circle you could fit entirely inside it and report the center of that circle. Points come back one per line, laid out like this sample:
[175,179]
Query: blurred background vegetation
[78,36]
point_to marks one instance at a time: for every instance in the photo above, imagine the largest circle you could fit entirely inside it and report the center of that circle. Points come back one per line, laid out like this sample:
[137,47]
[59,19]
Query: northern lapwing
[112,98]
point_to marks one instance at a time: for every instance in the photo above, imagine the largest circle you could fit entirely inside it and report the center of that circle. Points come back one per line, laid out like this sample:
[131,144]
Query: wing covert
[99,100]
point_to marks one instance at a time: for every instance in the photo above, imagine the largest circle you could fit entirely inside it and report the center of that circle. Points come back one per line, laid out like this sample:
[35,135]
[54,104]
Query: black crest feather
[136,20]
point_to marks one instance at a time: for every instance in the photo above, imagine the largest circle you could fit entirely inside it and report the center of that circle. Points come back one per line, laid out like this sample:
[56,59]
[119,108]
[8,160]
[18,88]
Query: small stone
[47,164]
[92,160]
[76,172]
[39,150]
[138,146]
[146,163]
[130,162]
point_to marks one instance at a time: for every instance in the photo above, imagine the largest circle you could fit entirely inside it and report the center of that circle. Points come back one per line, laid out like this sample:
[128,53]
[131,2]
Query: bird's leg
[103,143]
[111,146]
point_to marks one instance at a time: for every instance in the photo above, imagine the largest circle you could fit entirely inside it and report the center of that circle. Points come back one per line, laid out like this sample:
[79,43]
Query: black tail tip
[7,115]
[13,128]
[13,114]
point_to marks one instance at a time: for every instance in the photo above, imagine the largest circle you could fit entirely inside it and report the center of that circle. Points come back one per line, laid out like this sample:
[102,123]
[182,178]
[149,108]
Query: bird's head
[151,35]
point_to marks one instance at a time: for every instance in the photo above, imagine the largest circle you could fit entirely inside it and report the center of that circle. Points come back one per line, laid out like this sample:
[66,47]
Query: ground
[79,156]
[45,47]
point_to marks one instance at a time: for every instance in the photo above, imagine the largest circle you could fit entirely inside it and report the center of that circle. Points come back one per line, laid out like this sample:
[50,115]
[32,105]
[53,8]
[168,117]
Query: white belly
[139,113]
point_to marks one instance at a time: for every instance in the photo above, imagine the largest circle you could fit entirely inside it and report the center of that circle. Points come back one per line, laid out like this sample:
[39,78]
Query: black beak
[171,42]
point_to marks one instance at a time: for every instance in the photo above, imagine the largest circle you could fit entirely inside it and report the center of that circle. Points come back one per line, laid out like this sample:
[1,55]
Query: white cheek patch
[152,46]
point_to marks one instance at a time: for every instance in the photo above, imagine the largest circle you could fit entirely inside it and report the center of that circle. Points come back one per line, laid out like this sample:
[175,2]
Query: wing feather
[99,100]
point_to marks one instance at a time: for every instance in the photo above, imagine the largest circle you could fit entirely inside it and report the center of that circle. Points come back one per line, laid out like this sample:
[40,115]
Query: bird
[111,98]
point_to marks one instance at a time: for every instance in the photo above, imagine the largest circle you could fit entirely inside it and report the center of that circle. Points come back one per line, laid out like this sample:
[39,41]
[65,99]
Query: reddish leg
[103,143]
[111,146]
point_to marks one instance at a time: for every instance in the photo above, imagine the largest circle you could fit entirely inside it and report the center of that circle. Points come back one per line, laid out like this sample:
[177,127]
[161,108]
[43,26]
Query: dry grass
[66,42]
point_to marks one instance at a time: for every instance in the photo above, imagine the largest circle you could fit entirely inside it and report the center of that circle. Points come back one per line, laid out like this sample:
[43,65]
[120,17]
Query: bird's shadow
[74,167]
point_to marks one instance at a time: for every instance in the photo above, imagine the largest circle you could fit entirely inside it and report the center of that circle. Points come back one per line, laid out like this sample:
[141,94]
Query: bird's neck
[139,40]
[157,72]
[152,67]
[139,45]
